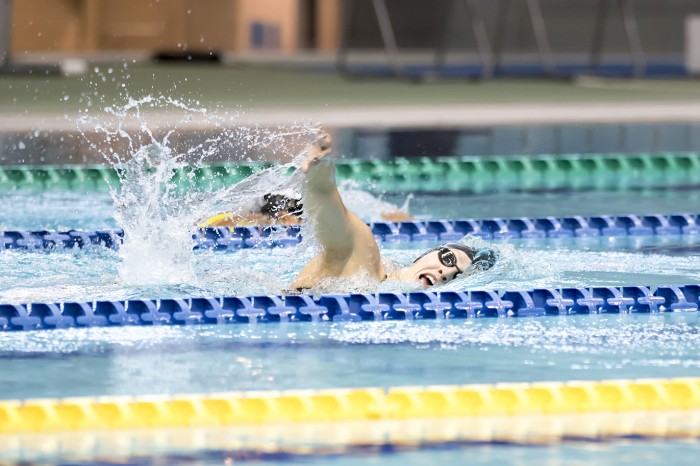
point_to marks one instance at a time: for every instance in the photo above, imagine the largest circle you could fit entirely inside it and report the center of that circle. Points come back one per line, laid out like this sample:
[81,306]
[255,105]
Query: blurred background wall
[150,25]
[294,25]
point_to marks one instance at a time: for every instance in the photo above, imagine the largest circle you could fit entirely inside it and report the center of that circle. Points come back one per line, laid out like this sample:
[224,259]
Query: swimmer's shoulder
[390,267]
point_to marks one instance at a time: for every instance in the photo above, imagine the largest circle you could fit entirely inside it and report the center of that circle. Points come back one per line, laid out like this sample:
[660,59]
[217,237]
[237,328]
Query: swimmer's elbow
[337,250]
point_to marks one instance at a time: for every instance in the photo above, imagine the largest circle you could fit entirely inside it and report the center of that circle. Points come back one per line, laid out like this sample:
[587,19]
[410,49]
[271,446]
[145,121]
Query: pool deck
[278,94]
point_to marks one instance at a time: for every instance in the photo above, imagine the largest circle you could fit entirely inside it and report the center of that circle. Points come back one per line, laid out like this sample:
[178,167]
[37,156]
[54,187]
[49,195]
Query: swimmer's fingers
[311,159]
[323,139]
[322,147]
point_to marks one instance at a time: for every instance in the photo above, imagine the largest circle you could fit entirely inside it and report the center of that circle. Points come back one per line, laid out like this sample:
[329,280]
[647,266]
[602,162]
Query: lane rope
[535,401]
[427,305]
[240,237]
[451,173]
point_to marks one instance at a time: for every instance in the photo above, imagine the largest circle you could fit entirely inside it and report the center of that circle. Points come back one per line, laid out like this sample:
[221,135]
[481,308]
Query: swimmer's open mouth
[426,280]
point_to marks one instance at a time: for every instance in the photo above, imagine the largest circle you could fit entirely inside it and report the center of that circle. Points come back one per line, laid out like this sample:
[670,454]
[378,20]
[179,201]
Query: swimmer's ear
[484,259]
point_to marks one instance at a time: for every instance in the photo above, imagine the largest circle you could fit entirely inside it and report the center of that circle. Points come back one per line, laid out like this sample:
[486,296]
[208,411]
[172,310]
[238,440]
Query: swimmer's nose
[442,275]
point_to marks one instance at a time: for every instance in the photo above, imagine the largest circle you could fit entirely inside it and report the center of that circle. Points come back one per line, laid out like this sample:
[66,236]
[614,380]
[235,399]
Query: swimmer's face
[437,267]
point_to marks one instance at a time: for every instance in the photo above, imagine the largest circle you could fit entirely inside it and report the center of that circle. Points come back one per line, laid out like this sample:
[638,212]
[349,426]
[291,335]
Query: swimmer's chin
[409,280]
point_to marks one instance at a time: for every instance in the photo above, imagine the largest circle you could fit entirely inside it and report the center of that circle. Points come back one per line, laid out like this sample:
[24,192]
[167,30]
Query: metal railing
[490,44]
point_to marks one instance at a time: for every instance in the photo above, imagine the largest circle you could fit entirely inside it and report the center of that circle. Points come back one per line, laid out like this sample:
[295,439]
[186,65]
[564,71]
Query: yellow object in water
[229,219]
[216,220]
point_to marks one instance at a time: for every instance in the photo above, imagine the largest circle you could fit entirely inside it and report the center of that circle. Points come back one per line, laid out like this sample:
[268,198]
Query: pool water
[61,210]
[553,203]
[136,451]
[628,452]
[93,274]
[99,274]
[203,359]
[383,353]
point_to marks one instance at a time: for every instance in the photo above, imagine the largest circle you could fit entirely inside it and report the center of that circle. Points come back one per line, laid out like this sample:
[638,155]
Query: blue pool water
[92,274]
[204,359]
[166,360]
[300,355]
[619,453]
[131,360]
[52,210]
[628,452]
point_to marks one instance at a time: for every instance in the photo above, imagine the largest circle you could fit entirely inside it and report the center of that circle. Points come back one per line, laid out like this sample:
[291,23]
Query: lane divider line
[425,305]
[451,173]
[539,400]
[242,237]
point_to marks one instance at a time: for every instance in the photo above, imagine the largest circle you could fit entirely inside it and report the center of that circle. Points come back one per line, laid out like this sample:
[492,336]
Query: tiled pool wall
[37,147]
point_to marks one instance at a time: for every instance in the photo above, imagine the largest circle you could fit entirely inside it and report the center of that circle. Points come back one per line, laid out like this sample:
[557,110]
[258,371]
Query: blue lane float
[427,305]
[223,238]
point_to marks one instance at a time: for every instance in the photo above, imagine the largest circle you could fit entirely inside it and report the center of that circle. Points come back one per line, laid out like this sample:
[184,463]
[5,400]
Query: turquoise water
[573,454]
[560,203]
[159,263]
[203,359]
[93,274]
[52,210]
[118,361]
[166,360]
[628,452]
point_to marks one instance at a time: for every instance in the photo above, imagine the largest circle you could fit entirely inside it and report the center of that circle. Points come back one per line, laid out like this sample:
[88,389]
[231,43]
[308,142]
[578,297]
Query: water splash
[157,244]
[159,201]
[367,206]
[162,194]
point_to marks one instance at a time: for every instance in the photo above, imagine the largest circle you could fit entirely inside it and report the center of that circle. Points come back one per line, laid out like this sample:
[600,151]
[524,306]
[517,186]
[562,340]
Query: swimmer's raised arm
[348,245]
[336,227]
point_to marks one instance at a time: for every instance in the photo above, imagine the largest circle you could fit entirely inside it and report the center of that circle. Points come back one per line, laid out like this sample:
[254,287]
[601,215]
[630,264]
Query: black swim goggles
[448,259]
[481,259]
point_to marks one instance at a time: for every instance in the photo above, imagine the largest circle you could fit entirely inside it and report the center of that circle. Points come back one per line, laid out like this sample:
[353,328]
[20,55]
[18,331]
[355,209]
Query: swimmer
[348,245]
[278,209]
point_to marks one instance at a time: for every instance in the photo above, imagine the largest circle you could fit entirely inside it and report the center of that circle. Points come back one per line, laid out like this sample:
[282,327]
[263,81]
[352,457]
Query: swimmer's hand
[322,147]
